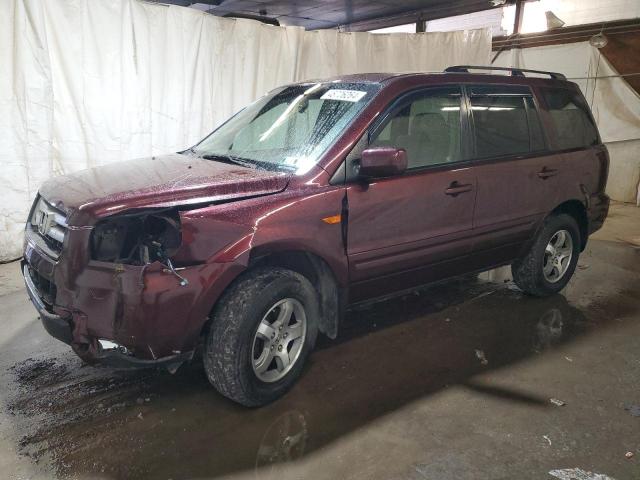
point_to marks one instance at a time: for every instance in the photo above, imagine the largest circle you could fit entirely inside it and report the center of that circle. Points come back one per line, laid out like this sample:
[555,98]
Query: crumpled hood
[155,182]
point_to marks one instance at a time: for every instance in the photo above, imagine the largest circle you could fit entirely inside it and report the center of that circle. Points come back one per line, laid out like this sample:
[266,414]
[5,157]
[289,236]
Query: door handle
[547,172]
[456,189]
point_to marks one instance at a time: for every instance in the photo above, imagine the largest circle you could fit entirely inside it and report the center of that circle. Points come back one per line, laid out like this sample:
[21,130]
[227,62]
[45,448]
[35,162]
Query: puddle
[150,424]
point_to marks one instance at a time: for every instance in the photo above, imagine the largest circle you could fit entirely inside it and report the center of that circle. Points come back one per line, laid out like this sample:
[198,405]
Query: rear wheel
[262,331]
[549,264]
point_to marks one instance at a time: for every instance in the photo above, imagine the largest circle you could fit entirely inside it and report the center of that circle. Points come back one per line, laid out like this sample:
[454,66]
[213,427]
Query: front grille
[49,223]
[46,289]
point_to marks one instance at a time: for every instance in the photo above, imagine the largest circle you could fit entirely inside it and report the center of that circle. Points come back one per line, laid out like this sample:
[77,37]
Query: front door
[416,227]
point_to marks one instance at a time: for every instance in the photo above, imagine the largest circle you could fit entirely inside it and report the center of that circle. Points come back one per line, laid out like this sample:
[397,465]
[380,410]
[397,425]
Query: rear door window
[571,119]
[505,121]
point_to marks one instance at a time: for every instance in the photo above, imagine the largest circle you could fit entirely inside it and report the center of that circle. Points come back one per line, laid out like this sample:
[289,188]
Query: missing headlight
[137,239]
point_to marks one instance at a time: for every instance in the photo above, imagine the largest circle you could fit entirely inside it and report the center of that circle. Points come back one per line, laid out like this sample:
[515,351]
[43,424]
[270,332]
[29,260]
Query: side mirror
[382,162]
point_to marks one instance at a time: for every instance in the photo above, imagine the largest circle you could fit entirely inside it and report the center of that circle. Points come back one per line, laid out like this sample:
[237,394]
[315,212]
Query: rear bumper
[597,211]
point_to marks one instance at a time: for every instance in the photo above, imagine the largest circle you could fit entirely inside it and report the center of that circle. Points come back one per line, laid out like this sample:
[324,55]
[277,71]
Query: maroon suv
[314,197]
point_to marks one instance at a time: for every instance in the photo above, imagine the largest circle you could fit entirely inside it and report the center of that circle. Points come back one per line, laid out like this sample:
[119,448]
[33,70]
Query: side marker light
[333,219]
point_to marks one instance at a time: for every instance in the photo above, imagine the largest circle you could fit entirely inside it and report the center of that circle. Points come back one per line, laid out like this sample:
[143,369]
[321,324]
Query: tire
[256,299]
[531,272]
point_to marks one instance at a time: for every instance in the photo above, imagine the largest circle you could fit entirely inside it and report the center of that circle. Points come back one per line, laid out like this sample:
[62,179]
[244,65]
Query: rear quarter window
[571,119]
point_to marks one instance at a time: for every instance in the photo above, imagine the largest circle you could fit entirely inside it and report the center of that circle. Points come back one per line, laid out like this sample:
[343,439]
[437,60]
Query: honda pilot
[317,196]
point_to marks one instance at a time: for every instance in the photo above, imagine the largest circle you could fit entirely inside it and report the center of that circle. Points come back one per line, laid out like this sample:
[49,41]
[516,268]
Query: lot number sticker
[343,95]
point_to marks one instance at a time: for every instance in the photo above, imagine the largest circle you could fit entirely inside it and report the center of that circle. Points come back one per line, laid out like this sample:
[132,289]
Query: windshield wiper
[229,159]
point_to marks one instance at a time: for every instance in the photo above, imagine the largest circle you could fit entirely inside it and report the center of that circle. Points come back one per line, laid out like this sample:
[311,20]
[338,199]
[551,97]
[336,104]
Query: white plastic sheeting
[615,105]
[87,82]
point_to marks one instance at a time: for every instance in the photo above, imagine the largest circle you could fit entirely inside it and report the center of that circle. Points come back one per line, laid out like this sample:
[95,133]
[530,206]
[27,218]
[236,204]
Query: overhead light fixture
[599,40]
[260,18]
[552,20]
[497,3]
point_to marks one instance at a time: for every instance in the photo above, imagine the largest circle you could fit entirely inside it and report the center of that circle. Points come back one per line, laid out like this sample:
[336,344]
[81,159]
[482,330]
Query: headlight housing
[137,238]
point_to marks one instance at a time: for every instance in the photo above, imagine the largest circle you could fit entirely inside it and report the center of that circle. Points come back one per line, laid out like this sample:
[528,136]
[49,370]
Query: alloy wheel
[279,339]
[557,256]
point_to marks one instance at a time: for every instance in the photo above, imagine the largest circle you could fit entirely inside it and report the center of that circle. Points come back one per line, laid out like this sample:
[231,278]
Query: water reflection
[283,441]
[549,330]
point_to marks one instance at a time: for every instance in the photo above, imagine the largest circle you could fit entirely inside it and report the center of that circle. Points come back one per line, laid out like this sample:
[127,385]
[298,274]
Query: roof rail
[515,72]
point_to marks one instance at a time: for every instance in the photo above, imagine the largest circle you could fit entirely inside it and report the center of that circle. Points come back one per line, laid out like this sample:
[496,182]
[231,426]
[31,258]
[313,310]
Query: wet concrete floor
[451,382]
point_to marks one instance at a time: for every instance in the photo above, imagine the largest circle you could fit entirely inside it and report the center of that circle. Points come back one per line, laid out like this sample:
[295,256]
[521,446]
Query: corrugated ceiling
[315,14]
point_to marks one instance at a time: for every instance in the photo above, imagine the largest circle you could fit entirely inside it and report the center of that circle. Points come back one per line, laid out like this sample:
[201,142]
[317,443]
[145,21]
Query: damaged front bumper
[122,315]
[55,325]
[108,352]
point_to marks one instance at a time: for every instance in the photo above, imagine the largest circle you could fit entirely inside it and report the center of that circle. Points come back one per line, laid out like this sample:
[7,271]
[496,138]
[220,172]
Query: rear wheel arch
[577,210]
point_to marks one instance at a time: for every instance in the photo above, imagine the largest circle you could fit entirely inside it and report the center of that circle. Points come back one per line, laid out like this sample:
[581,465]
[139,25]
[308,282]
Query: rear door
[416,227]
[517,175]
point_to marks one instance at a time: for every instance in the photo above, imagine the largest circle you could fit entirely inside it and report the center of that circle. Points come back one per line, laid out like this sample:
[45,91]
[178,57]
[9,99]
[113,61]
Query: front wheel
[549,264]
[262,331]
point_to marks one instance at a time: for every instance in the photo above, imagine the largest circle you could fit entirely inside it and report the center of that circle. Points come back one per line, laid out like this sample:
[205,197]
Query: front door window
[427,126]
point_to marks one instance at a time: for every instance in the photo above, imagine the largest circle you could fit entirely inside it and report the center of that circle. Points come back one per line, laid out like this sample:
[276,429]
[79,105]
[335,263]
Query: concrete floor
[452,382]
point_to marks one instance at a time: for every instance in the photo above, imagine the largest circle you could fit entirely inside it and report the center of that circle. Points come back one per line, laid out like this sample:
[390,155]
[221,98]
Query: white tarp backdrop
[87,82]
[615,105]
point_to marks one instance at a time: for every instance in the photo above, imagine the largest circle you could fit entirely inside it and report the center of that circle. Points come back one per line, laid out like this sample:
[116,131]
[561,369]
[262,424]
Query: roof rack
[515,72]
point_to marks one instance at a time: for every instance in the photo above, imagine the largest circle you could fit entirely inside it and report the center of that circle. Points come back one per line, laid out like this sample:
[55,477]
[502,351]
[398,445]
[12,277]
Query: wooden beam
[580,33]
[622,50]
[517,21]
